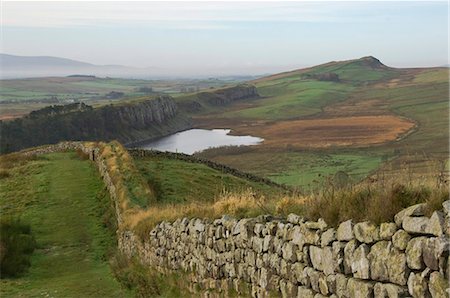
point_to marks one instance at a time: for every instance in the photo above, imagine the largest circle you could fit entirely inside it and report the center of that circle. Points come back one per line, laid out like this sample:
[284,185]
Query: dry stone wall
[291,257]
[296,258]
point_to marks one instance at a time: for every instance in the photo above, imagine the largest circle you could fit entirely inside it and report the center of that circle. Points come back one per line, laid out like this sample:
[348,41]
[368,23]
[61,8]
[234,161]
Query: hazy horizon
[232,38]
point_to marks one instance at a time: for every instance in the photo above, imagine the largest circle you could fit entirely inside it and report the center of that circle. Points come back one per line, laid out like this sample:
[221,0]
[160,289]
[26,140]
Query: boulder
[315,255]
[268,243]
[345,231]
[341,285]
[436,225]
[316,225]
[366,232]
[387,230]
[314,277]
[338,255]
[297,236]
[349,250]
[298,272]
[329,263]
[331,282]
[438,285]
[304,292]
[257,244]
[416,225]
[310,236]
[401,239]
[415,210]
[285,269]
[359,288]
[294,219]
[446,207]
[435,251]
[388,263]
[287,289]
[382,290]
[289,252]
[322,259]
[327,237]
[360,263]
[323,285]
[244,228]
[258,229]
[417,285]
[414,252]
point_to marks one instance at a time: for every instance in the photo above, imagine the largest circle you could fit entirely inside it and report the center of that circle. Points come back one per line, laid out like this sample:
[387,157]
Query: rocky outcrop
[221,97]
[126,123]
[228,95]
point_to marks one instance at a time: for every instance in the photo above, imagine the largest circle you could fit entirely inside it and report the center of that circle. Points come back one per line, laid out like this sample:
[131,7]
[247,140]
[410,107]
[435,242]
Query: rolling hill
[358,116]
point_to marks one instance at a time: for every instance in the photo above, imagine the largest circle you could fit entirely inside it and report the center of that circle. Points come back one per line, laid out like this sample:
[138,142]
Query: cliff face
[126,123]
[228,95]
[220,97]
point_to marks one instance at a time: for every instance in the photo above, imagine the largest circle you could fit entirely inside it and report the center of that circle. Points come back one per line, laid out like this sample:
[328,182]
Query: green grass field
[63,199]
[177,181]
[305,169]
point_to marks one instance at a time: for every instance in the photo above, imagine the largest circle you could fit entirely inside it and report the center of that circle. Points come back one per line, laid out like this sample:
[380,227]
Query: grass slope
[176,181]
[62,197]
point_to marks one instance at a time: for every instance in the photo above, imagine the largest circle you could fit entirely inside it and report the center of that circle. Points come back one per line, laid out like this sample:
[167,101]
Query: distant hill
[13,66]
[364,69]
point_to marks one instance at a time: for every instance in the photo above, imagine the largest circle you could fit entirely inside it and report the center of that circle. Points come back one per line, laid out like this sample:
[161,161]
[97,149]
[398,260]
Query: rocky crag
[292,257]
[126,123]
[221,97]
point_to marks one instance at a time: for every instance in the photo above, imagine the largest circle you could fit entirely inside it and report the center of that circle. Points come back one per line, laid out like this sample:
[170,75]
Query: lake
[194,140]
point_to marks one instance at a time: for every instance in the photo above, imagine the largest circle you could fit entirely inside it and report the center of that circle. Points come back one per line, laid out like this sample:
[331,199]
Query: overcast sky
[242,38]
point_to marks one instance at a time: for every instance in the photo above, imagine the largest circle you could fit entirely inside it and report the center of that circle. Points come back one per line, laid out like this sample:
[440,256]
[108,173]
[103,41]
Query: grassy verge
[63,199]
[376,203]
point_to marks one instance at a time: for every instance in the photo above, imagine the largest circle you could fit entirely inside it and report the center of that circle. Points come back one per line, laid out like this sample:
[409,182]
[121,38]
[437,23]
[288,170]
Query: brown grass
[11,160]
[340,131]
[376,203]
[131,187]
[244,204]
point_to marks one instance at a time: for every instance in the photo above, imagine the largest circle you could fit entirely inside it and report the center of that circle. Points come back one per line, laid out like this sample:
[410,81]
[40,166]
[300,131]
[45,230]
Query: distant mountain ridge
[27,61]
[13,66]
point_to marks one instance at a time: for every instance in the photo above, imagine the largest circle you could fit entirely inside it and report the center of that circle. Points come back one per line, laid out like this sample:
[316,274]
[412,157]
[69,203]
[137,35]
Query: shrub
[16,246]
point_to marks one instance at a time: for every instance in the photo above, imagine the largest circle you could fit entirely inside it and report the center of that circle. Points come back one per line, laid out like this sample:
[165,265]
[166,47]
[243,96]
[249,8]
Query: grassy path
[61,198]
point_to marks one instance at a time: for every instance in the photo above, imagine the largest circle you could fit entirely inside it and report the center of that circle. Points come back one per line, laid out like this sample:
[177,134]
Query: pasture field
[63,200]
[307,169]
[177,181]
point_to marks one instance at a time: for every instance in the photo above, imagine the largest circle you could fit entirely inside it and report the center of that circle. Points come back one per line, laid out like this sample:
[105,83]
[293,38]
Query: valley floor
[63,199]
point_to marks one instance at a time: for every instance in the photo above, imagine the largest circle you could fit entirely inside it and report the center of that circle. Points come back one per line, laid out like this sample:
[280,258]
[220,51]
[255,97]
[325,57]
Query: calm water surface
[194,140]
